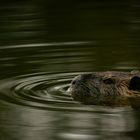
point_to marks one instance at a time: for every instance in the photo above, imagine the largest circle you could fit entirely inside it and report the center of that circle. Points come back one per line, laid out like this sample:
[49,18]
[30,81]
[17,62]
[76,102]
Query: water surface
[43,45]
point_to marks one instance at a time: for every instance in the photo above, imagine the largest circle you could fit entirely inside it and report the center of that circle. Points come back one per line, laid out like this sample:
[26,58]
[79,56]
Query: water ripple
[42,91]
[49,44]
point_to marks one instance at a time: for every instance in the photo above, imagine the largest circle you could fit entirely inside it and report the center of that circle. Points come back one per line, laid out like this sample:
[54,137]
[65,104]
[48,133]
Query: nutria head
[105,87]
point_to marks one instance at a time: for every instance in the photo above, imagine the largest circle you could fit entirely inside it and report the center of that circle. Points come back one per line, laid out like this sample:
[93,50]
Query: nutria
[106,88]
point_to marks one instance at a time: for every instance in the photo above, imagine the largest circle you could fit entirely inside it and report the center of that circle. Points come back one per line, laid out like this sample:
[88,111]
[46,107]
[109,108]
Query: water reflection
[66,57]
[108,23]
[27,124]
[36,124]
[43,45]
[91,126]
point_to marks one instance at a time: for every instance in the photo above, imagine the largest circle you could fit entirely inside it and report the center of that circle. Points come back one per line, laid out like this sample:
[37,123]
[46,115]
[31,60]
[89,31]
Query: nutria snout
[106,88]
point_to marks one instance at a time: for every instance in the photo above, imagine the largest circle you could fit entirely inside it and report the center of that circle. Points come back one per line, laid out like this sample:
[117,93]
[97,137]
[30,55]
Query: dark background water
[43,45]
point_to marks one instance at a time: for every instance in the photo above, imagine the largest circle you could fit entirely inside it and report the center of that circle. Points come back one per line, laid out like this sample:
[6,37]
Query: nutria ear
[134,83]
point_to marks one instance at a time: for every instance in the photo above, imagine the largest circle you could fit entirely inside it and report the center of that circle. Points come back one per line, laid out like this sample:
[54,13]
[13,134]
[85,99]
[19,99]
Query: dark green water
[43,45]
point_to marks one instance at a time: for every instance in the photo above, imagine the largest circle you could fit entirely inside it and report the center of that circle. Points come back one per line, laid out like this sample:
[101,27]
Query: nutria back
[107,88]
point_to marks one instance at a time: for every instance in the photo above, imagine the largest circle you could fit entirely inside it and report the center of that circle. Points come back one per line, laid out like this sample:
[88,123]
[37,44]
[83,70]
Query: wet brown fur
[105,88]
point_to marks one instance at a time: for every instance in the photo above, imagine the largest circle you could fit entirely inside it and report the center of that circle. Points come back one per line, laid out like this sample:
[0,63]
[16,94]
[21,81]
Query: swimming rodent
[109,88]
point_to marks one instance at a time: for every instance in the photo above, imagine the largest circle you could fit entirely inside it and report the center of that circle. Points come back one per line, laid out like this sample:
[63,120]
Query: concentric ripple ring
[40,90]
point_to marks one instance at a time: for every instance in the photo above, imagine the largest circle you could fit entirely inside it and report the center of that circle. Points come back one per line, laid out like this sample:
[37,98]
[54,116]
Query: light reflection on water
[35,124]
[43,45]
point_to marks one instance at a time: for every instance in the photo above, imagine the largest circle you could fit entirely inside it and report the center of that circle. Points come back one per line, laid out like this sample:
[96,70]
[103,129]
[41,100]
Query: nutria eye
[134,83]
[109,81]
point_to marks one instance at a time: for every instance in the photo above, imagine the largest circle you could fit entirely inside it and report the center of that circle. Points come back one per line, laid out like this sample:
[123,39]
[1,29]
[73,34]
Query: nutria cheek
[76,97]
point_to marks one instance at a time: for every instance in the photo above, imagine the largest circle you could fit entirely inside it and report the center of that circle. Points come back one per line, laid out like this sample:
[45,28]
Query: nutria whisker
[84,85]
[94,90]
